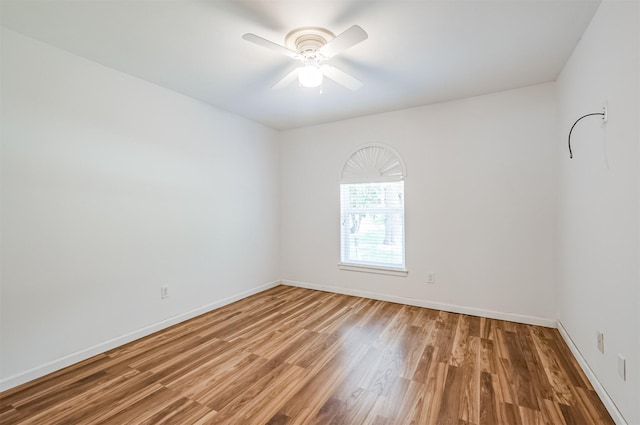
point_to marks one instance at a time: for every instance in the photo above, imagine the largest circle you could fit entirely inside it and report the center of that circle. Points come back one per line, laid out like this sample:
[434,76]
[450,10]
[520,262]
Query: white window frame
[373,163]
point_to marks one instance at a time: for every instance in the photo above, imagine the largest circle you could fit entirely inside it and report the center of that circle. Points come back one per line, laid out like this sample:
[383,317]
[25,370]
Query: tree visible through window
[372,210]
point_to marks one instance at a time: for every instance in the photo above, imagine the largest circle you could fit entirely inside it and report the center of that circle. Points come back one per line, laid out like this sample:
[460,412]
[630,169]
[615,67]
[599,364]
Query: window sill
[373,269]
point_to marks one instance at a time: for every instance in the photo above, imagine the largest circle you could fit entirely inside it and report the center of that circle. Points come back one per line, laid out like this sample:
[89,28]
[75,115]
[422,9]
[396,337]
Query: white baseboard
[597,386]
[511,317]
[62,362]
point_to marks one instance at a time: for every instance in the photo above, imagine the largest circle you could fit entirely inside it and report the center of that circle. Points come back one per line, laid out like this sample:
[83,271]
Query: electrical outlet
[164,292]
[601,342]
[605,112]
[622,367]
[431,278]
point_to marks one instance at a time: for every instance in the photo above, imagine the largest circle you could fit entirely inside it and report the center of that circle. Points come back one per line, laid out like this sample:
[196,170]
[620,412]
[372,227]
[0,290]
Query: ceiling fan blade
[342,42]
[286,80]
[341,77]
[270,45]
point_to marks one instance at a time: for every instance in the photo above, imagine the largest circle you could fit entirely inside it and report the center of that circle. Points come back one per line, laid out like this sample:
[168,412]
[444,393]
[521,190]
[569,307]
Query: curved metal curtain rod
[574,124]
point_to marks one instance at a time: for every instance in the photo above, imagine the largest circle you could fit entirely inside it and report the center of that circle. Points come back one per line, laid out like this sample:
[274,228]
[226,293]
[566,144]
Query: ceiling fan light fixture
[310,76]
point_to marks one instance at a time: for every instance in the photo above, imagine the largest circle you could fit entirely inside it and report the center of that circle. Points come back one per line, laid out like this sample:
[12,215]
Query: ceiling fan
[312,46]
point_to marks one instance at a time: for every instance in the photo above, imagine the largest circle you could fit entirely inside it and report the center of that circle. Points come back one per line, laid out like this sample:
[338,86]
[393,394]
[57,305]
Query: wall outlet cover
[600,342]
[622,367]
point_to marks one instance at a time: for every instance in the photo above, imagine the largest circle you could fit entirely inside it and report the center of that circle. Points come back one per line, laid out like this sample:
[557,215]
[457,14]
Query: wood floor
[296,356]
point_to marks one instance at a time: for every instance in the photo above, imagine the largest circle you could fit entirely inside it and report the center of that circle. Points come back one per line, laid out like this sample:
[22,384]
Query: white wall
[480,199]
[598,203]
[111,188]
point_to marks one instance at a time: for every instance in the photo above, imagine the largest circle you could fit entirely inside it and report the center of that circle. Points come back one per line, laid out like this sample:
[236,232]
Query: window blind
[372,224]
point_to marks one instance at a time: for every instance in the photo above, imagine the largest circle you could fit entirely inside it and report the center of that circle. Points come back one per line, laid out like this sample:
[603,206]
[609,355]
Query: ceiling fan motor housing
[307,40]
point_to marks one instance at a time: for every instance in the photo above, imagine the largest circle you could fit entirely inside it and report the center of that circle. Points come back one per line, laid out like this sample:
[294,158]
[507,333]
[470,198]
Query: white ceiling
[418,52]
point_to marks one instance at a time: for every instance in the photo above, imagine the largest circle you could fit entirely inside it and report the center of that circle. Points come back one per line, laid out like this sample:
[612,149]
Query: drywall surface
[598,205]
[113,187]
[479,199]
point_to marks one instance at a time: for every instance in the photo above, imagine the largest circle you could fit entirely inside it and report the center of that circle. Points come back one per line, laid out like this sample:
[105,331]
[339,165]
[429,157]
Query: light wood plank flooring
[296,356]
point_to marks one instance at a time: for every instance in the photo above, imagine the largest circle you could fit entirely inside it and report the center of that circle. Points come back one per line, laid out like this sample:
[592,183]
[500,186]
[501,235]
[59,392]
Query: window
[372,212]
[373,224]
